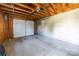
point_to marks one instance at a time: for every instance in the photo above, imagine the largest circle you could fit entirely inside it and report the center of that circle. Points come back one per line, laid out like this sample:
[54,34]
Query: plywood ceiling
[30,9]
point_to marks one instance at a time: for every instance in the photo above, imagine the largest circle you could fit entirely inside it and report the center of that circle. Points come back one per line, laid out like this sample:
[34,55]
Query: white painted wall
[20,30]
[64,26]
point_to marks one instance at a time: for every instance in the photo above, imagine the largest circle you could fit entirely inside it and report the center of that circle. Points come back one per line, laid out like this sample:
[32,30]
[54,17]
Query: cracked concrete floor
[37,45]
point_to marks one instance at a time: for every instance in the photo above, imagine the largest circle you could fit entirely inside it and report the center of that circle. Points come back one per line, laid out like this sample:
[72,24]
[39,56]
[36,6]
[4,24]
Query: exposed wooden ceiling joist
[53,8]
[13,7]
[25,6]
[37,10]
[11,14]
[33,10]
[15,11]
[47,10]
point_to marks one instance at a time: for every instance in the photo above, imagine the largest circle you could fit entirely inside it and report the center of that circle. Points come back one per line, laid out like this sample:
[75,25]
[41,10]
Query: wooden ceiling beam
[51,4]
[47,6]
[25,6]
[17,12]
[47,10]
[8,12]
[16,8]
[19,4]
[36,15]
[7,9]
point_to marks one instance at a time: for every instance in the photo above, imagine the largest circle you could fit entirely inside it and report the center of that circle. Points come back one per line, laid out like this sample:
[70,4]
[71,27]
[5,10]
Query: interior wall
[1,29]
[22,28]
[6,27]
[64,26]
[11,27]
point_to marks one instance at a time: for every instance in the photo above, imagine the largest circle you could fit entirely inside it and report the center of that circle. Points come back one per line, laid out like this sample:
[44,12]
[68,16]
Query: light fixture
[38,9]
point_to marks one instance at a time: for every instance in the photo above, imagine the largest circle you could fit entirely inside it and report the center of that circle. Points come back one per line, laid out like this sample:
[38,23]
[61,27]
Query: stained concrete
[37,45]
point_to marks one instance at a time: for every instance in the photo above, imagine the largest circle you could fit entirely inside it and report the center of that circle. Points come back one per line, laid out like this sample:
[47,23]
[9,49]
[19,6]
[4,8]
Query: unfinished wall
[64,26]
[11,27]
[1,29]
[8,26]
[22,28]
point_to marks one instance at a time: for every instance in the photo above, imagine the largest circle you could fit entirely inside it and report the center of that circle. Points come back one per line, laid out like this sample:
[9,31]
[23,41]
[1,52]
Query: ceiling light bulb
[39,9]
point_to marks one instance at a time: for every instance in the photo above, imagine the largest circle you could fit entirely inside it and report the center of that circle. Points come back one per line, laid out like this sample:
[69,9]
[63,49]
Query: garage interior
[39,29]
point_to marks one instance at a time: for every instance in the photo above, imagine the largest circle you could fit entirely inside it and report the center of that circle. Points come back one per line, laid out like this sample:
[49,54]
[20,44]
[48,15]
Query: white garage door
[23,28]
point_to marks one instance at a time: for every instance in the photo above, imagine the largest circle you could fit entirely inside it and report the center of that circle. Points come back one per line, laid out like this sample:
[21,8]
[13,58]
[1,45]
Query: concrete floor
[37,45]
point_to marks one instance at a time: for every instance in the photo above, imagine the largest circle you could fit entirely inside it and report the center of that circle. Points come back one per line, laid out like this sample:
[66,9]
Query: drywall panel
[22,28]
[64,26]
